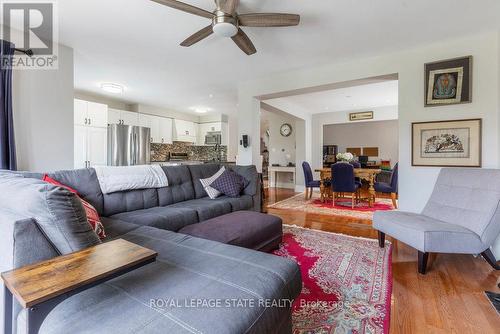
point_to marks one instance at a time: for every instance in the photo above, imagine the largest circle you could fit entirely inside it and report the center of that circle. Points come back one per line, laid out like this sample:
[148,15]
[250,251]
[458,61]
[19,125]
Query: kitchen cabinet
[116,116]
[165,130]
[90,134]
[184,131]
[90,113]
[161,128]
[90,146]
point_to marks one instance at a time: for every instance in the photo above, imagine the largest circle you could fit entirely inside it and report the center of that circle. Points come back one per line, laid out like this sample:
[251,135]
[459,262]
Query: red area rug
[347,282]
[342,206]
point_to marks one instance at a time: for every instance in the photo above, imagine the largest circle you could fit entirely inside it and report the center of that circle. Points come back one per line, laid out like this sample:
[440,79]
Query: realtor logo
[30,25]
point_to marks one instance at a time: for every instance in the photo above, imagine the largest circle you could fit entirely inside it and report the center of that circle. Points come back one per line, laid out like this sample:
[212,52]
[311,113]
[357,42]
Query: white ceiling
[351,98]
[136,42]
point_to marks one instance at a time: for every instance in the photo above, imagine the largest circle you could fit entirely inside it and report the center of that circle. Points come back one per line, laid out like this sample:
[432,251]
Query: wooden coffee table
[40,287]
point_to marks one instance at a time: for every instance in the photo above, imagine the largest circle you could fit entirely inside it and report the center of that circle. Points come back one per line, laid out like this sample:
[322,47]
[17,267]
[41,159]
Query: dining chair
[391,187]
[309,181]
[356,164]
[343,181]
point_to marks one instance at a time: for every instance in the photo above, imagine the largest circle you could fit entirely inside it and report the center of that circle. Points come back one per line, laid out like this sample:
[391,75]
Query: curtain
[7,146]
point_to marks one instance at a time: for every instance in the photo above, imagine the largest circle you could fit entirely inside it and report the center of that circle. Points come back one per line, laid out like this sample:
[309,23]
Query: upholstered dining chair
[356,164]
[343,181]
[391,187]
[462,216]
[309,181]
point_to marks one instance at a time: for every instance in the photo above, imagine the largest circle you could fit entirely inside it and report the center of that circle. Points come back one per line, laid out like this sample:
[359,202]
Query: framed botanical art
[448,82]
[447,143]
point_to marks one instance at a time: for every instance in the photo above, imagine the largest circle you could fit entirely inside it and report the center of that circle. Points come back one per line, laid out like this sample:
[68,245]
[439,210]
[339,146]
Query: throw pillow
[57,212]
[229,183]
[92,215]
[206,183]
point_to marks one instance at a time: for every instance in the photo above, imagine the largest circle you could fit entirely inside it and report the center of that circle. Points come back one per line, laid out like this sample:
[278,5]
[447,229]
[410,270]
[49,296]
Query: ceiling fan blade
[185,8]
[198,36]
[244,43]
[227,6]
[268,20]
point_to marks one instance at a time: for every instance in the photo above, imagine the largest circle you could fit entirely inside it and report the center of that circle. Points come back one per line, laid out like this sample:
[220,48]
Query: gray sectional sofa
[187,268]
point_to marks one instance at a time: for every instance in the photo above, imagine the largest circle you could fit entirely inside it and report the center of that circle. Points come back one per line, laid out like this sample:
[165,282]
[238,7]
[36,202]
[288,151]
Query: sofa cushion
[91,212]
[202,172]
[131,200]
[428,234]
[180,186]
[116,228]
[206,208]
[187,268]
[244,202]
[166,218]
[85,182]
[58,212]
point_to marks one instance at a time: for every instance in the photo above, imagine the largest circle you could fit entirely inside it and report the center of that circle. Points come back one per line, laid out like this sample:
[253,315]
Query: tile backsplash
[160,152]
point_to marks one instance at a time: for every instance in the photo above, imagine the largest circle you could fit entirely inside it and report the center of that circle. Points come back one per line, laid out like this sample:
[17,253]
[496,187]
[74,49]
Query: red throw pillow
[92,215]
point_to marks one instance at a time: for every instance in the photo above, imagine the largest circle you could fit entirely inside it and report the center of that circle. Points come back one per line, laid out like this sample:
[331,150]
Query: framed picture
[360,116]
[448,82]
[447,143]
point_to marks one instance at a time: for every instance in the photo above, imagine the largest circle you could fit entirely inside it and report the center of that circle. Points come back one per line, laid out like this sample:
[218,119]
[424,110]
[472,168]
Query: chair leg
[422,262]
[394,202]
[490,258]
[381,239]
[352,200]
[307,190]
[333,198]
[311,193]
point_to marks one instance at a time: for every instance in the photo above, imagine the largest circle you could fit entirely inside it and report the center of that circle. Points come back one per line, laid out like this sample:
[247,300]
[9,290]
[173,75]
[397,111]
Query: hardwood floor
[448,299]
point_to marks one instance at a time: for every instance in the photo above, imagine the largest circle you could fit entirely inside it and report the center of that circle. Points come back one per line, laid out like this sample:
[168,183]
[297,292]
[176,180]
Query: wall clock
[286,130]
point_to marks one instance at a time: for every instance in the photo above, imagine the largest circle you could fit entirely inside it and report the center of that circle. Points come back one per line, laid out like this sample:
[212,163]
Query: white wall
[381,134]
[279,147]
[43,116]
[416,183]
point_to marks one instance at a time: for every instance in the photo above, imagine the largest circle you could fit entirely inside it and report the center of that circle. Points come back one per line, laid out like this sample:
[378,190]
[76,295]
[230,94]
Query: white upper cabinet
[90,113]
[185,131]
[161,128]
[116,116]
[165,130]
[130,118]
[98,114]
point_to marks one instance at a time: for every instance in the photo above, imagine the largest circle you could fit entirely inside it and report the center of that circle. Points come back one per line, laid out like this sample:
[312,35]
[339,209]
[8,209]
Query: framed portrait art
[448,82]
[447,143]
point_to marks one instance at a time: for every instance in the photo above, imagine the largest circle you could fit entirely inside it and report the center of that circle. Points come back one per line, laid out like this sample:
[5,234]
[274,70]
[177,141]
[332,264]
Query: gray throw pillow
[58,212]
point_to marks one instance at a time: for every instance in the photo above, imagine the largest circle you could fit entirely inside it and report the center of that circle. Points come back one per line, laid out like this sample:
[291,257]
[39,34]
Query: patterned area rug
[342,206]
[347,282]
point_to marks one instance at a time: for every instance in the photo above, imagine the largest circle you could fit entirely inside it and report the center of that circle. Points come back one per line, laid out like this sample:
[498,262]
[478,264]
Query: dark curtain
[7,146]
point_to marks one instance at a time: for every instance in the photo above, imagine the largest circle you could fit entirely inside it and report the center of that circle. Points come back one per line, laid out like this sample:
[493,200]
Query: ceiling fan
[226,22]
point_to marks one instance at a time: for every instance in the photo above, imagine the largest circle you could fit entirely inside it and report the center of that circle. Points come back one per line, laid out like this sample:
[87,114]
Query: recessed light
[210,96]
[112,88]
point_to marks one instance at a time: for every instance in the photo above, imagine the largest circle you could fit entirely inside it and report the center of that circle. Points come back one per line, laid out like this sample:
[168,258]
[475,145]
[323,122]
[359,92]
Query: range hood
[184,131]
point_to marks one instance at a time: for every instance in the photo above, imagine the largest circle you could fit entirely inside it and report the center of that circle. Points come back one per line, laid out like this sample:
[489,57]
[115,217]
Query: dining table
[367,174]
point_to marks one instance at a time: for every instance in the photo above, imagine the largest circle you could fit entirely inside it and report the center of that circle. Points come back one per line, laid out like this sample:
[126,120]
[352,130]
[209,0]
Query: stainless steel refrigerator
[128,145]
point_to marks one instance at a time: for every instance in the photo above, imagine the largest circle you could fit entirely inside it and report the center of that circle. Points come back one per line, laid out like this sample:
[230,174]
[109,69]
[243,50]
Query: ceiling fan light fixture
[225,29]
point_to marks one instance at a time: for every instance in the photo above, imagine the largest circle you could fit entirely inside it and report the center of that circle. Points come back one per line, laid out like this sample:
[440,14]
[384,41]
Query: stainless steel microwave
[213,138]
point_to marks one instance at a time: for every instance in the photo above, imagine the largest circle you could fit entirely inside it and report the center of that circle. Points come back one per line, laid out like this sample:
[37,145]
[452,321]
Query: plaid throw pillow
[230,183]
[206,183]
